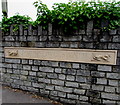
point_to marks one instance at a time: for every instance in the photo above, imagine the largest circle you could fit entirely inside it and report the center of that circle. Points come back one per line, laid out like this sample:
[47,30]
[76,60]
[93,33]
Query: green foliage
[70,16]
[16,20]
[74,15]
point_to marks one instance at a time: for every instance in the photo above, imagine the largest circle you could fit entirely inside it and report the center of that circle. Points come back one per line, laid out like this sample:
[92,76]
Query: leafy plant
[16,20]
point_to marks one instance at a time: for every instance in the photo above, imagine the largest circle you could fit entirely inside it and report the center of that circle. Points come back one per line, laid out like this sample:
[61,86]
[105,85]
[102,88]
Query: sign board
[63,54]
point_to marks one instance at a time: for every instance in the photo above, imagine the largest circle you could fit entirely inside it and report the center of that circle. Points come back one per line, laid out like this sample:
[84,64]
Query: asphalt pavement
[13,96]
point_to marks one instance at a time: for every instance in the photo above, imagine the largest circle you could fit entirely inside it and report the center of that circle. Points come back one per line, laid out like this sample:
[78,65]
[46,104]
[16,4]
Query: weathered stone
[54,93]
[50,87]
[104,68]
[24,72]
[46,69]
[112,32]
[71,84]
[80,79]
[58,70]
[70,78]
[58,82]
[64,89]
[51,75]
[113,75]
[116,38]
[34,68]
[109,89]
[26,67]
[110,96]
[32,73]
[75,65]
[113,82]
[101,81]
[79,91]
[61,76]
[61,94]
[71,96]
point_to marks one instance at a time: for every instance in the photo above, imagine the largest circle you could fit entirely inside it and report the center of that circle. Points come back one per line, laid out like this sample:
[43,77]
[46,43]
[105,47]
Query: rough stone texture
[68,82]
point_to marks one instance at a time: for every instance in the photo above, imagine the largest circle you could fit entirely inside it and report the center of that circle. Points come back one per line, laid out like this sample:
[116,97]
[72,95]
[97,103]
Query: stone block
[26,67]
[54,93]
[46,69]
[58,82]
[71,84]
[98,87]
[113,82]
[113,75]
[32,73]
[83,98]
[104,68]
[24,61]
[79,91]
[54,64]
[112,32]
[52,75]
[116,38]
[110,96]
[61,76]
[109,89]
[70,78]
[49,87]
[41,74]
[24,72]
[81,79]
[58,70]
[61,94]
[68,101]
[75,65]
[102,81]
[83,72]
[34,68]
[72,96]
[64,89]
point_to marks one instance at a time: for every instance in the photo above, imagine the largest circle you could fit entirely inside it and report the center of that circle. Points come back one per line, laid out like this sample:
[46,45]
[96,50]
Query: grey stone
[89,27]
[109,89]
[102,81]
[32,73]
[41,74]
[9,38]
[80,79]
[71,84]
[24,61]
[107,102]
[34,68]
[34,32]
[70,78]
[113,82]
[50,87]
[98,87]
[83,98]
[30,61]
[26,83]
[61,76]
[37,62]
[24,72]
[61,94]
[64,45]
[25,32]
[113,46]
[72,96]
[74,45]
[58,70]
[46,69]
[83,72]
[58,82]
[64,89]
[51,75]
[67,101]
[54,93]
[49,29]
[69,71]
[36,85]
[79,91]
[113,75]
[75,65]
[112,32]
[104,68]
[44,80]
[54,64]
[39,30]
[116,38]
[81,32]
[23,77]
[26,67]
[85,86]
[32,89]
[110,96]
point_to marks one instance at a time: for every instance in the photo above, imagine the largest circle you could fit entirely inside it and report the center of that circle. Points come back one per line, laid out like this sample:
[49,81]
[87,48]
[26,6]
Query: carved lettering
[13,53]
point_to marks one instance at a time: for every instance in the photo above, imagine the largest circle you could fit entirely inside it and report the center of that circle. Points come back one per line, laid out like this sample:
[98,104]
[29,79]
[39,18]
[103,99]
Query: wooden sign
[63,54]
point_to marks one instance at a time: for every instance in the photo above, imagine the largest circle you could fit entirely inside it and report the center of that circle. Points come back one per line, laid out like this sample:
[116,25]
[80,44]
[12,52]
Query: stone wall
[73,83]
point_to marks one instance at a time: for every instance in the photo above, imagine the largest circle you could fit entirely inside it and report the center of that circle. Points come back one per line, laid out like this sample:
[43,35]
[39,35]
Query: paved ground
[16,96]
